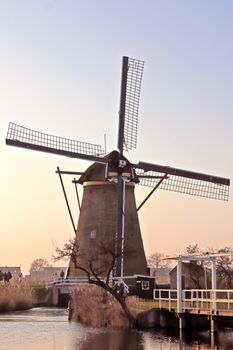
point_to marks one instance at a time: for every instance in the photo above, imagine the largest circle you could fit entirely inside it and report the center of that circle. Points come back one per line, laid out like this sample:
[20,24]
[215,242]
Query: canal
[49,329]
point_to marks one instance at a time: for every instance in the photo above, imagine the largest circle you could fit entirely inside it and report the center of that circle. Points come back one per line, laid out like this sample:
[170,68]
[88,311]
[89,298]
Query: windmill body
[108,213]
[99,216]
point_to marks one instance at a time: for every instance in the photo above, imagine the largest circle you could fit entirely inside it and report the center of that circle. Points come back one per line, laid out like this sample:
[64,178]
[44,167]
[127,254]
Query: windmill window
[93,234]
[145,285]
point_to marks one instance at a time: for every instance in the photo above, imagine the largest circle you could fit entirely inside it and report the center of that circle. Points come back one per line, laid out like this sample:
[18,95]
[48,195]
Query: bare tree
[225,268]
[196,268]
[192,249]
[38,265]
[97,264]
[156,261]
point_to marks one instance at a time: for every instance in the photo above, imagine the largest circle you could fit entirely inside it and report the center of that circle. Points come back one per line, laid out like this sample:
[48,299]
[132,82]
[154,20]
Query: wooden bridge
[61,288]
[196,309]
[199,301]
[214,303]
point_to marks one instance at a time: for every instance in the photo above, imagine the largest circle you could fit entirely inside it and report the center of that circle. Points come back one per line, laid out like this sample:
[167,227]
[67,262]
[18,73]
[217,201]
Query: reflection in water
[115,340]
[37,329]
[49,329]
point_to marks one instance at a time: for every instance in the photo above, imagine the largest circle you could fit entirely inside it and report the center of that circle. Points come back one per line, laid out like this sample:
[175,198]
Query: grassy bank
[15,296]
[141,304]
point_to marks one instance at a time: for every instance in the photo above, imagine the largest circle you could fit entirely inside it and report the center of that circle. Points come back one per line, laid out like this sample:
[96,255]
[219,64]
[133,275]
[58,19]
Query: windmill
[108,205]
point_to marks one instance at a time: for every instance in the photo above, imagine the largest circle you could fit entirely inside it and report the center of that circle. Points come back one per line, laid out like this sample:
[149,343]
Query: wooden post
[181,321]
[213,325]
[214,285]
[179,285]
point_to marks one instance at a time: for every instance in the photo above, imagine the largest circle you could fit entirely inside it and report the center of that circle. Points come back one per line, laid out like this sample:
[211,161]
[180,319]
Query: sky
[60,74]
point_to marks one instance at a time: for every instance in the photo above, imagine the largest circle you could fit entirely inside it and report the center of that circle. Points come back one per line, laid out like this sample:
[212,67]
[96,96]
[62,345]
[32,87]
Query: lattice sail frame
[185,185]
[17,133]
[133,89]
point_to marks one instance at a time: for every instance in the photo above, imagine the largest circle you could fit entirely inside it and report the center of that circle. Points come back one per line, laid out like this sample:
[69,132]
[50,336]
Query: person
[62,274]
[55,278]
[20,277]
[9,276]
[5,277]
[121,289]
[1,275]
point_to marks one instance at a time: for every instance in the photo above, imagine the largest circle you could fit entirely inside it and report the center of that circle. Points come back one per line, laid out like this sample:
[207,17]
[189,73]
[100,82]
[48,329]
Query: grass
[15,296]
[139,305]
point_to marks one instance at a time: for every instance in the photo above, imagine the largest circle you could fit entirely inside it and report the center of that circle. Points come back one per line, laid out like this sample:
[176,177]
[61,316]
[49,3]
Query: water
[49,329]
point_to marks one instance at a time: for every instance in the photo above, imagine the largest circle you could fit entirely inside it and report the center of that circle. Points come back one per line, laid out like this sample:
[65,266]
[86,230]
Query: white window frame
[145,285]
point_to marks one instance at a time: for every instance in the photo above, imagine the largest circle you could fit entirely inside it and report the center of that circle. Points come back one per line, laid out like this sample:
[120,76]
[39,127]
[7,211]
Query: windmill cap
[115,164]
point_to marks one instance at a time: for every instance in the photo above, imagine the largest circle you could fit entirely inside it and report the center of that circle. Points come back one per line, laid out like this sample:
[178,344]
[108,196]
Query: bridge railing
[66,281]
[212,300]
[73,281]
[208,299]
[167,298]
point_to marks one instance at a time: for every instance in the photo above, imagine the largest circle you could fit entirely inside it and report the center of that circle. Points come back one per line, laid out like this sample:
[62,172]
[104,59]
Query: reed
[15,296]
[95,307]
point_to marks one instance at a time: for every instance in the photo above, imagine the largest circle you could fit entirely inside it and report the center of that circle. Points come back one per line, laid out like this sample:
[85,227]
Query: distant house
[140,285]
[162,277]
[193,276]
[48,274]
[14,270]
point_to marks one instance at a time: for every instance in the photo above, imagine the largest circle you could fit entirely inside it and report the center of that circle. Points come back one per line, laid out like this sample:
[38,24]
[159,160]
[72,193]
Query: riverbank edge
[162,318]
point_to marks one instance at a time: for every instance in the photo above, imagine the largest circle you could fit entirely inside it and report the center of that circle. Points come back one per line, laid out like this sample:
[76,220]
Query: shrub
[41,294]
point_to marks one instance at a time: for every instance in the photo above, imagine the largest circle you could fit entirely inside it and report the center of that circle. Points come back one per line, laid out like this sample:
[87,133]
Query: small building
[48,274]
[161,276]
[193,276]
[141,286]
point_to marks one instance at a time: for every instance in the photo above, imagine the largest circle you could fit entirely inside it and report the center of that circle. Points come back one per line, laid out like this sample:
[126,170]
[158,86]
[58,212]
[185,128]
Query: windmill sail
[183,181]
[132,70]
[20,136]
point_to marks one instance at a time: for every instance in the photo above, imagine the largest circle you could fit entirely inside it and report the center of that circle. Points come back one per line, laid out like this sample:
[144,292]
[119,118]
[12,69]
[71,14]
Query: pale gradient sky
[60,74]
